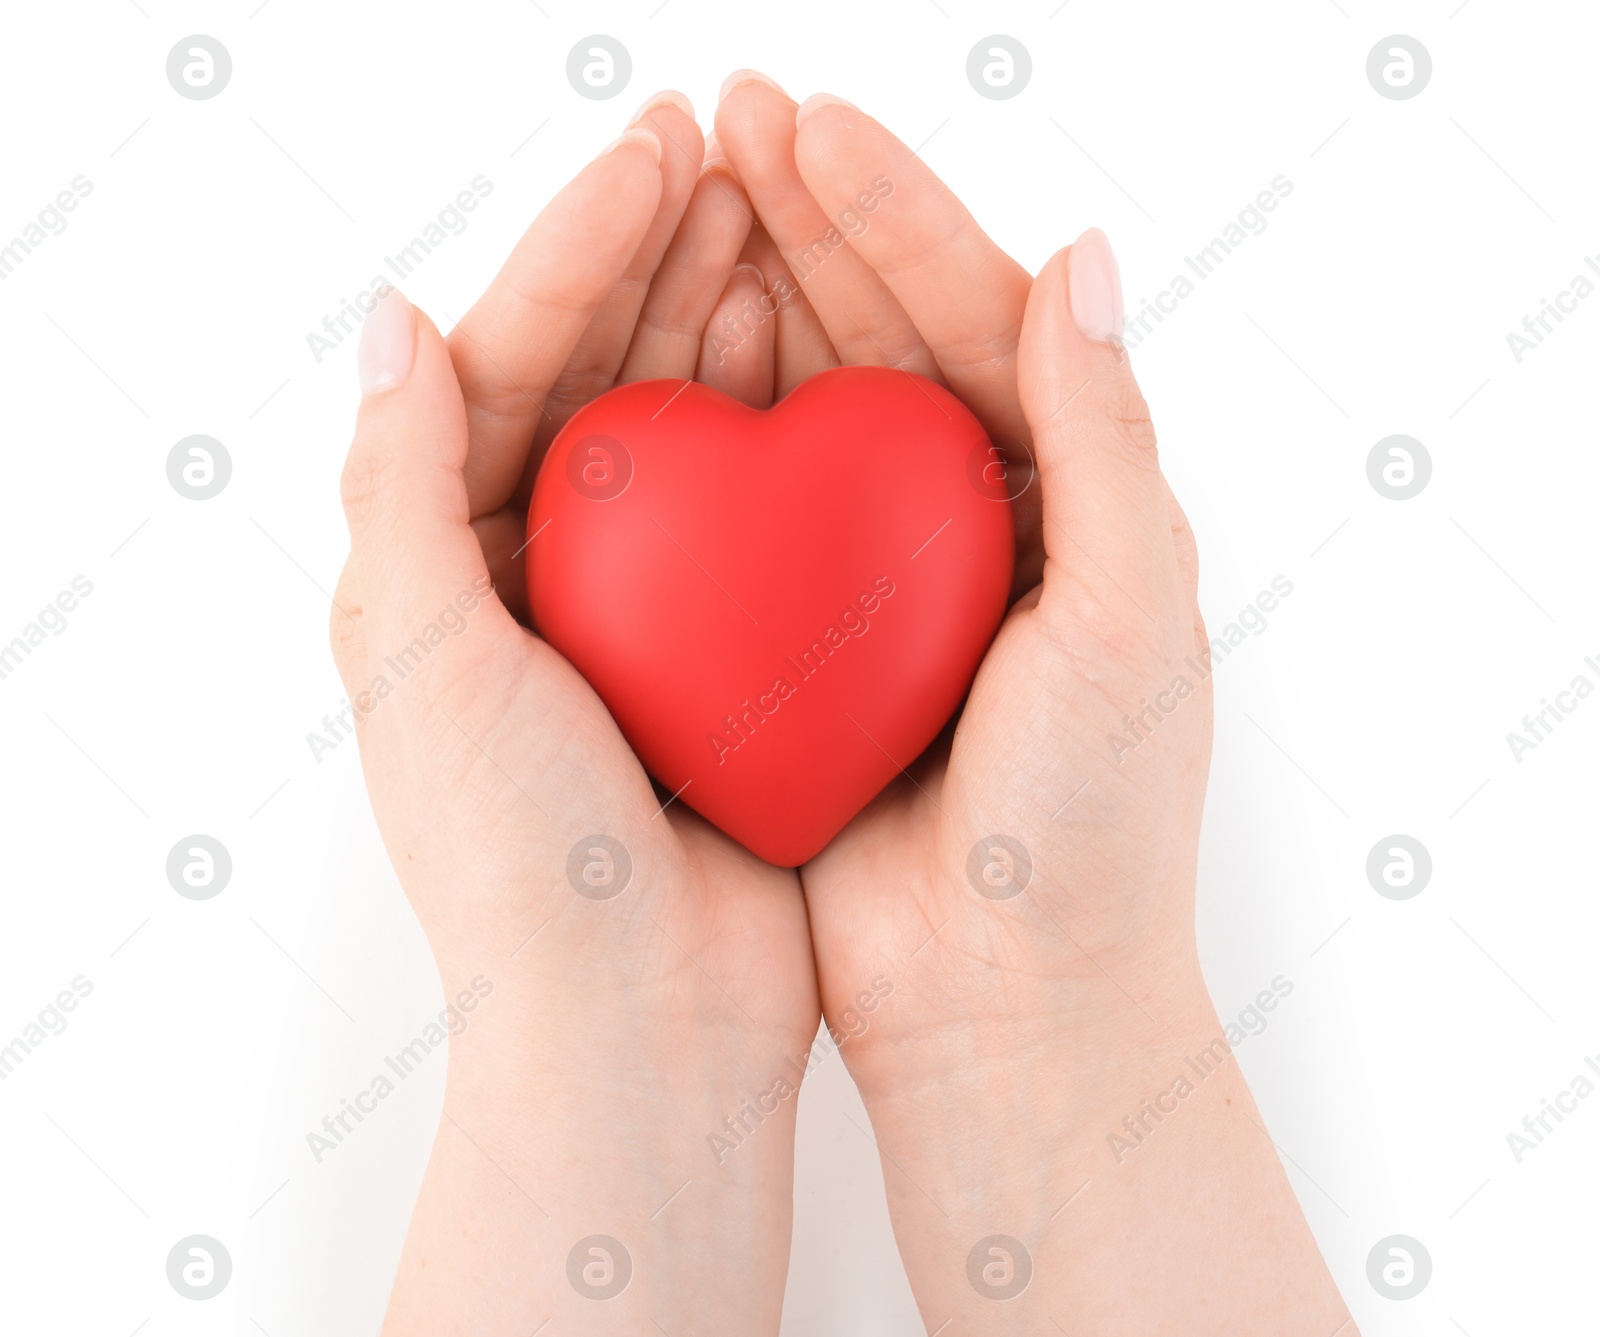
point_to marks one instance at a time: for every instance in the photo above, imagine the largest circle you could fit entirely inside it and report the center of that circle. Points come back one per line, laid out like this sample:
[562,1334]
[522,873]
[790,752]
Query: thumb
[420,571]
[1107,533]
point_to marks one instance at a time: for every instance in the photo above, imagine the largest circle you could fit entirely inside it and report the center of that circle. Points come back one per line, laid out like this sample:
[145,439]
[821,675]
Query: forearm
[551,1138]
[1123,1154]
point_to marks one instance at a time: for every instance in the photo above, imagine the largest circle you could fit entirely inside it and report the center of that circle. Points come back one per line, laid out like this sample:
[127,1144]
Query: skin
[1023,1029]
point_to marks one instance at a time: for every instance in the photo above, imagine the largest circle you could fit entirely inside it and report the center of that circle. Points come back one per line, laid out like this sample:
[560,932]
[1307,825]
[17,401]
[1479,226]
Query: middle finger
[864,320]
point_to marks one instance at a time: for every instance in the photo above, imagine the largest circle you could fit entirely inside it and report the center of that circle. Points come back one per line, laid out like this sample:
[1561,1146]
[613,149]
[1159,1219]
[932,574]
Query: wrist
[1039,1164]
[1096,1017]
[577,1120]
[993,1126]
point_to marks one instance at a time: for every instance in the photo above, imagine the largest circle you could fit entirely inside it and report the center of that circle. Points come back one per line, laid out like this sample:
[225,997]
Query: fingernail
[668,97]
[1096,288]
[816,102]
[745,77]
[635,136]
[388,344]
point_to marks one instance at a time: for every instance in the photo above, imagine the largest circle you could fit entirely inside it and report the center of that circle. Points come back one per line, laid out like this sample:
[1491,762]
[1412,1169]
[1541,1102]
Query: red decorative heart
[780,609]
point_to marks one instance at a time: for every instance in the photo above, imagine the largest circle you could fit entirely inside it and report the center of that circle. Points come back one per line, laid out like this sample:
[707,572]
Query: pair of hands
[618,1107]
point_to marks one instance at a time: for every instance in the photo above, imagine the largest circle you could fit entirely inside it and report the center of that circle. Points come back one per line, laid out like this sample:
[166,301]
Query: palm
[535,744]
[893,894]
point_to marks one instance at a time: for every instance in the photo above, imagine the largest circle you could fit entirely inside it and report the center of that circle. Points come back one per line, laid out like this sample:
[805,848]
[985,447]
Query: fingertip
[1071,327]
[403,363]
[754,116]
[388,346]
[669,116]
[739,78]
[1077,385]
[411,404]
[621,188]
[667,97]
[738,348]
[1095,286]
[1105,502]
[712,154]
[426,329]
[1048,271]
[1071,364]
[637,137]
[1046,295]
[817,102]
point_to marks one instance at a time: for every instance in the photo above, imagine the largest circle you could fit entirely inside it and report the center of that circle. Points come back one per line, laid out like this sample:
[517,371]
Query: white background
[178,699]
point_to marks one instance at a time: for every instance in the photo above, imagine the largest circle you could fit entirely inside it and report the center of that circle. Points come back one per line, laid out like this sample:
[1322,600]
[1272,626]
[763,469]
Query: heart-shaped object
[780,608]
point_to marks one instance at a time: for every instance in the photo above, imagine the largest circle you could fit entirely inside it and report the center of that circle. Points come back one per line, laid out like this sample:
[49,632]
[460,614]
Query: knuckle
[362,483]
[1099,418]
[903,350]
[1099,626]
[346,636]
[1128,417]
[1187,548]
[577,385]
